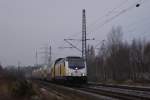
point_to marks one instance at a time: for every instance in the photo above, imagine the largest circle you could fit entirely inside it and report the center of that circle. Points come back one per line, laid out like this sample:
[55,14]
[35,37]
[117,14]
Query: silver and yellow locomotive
[69,69]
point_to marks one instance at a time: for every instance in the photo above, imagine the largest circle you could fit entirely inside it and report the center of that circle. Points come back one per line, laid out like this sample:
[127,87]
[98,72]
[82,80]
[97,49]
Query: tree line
[119,60]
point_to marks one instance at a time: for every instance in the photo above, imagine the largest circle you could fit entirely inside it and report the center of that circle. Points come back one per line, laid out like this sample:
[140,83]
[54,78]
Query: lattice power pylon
[84,38]
[84,34]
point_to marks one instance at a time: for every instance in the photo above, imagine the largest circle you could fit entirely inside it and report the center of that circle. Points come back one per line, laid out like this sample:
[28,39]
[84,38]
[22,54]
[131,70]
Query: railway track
[109,92]
[77,92]
[138,88]
[119,93]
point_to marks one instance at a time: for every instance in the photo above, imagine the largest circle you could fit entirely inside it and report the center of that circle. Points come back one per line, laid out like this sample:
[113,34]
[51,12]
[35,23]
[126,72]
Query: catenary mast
[84,35]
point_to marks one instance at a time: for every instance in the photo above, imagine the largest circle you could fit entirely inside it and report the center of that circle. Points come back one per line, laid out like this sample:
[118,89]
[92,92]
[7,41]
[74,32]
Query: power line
[137,4]
[72,45]
[135,23]
[36,58]
[84,38]
[47,54]
[108,14]
[118,14]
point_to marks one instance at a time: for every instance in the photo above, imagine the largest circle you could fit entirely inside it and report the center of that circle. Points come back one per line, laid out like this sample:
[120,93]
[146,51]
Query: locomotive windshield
[76,63]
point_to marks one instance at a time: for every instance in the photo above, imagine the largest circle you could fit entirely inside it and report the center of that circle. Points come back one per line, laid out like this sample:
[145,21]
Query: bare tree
[147,61]
[118,60]
[114,41]
[137,59]
[91,65]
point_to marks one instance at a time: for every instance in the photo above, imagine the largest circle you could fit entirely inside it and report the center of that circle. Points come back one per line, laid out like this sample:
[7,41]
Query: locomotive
[71,69]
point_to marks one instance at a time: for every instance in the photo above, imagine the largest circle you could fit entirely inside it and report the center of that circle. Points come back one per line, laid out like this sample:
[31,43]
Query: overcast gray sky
[27,25]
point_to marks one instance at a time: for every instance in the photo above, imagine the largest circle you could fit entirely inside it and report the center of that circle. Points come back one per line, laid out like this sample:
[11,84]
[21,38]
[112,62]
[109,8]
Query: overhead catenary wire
[113,17]
[104,16]
[111,12]
[108,14]
[132,30]
[117,15]
[137,4]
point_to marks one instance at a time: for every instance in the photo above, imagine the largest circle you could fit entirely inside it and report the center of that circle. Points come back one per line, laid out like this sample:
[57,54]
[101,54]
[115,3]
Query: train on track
[71,69]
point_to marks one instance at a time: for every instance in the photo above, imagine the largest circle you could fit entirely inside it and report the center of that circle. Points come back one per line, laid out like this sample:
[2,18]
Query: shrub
[22,88]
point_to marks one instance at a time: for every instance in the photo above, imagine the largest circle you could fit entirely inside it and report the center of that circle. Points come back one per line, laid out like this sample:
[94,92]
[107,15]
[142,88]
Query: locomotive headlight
[82,74]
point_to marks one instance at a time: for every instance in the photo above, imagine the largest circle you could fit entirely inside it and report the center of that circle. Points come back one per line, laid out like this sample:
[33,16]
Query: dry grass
[11,89]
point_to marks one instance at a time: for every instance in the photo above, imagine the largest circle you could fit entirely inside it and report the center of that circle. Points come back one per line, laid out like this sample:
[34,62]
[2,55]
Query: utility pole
[50,55]
[47,54]
[36,58]
[83,40]
[84,55]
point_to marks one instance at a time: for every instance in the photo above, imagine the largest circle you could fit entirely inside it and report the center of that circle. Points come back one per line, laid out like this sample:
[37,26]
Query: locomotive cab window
[76,63]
